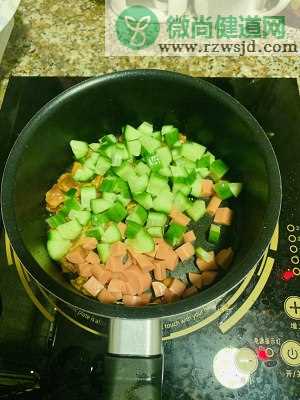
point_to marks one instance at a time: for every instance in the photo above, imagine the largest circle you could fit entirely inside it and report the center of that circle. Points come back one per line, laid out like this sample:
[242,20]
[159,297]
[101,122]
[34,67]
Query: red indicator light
[262,354]
[288,275]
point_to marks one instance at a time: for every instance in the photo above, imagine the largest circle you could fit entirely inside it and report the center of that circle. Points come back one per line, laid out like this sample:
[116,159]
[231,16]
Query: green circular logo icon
[137,27]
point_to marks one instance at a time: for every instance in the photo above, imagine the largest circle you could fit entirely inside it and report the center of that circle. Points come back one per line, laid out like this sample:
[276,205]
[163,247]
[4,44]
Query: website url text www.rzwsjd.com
[240,48]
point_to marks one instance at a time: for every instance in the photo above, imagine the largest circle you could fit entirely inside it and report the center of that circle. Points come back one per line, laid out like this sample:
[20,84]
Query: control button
[290,353]
[226,371]
[292,307]
[246,360]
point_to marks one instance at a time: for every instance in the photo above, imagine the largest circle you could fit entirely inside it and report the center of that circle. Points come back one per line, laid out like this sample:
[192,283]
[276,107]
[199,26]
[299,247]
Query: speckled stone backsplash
[54,37]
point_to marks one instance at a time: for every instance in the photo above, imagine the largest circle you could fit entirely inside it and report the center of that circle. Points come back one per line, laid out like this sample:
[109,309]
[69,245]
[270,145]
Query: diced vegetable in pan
[133,208]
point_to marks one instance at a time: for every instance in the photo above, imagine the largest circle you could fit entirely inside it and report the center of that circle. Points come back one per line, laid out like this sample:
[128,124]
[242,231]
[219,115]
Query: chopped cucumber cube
[138,215]
[58,248]
[100,205]
[157,184]
[70,204]
[144,199]
[165,156]
[196,187]
[171,137]
[142,169]
[116,157]
[99,219]
[108,185]
[111,234]
[165,171]
[87,193]
[103,165]
[176,153]
[125,171]
[138,184]
[235,188]
[163,202]
[79,148]
[56,220]
[83,174]
[167,128]
[181,202]
[150,144]
[218,169]
[181,187]
[203,172]
[132,229]
[94,146]
[111,197]
[157,135]
[96,232]
[145,128]
[131,133]
[156,231]
[70,230]
[117,212]
[83,217]
[174,235]
[156,219]
[103,251]
[134,148]
[214,234]
[222,189]
[204,255]
[108,139]
[142,243]
[91,161]
[192,151]
[197,210]
[53,234]
[178,172]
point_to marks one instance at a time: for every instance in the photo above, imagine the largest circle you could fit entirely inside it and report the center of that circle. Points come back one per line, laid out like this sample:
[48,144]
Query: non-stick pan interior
[204,113]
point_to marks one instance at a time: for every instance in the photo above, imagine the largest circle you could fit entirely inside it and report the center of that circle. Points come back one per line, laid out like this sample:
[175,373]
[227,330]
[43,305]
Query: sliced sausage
[93,286]
[92,258]
[208,277]
[102,275]
[66,182]
[55,197]
[85,270]
[177,287]
[88,243]
[131,301]
[189,237]
[159,289]
[223,216]
[207,188]
[224,258]
[196,279]
[206,266]
[185,251]
[106,297]
[118,249]
[116,285]
[179,217]
[76,256]
[189,292]
[213,205]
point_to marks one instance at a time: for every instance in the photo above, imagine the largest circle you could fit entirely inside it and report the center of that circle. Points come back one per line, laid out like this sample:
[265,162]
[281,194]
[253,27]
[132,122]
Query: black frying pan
[104,104]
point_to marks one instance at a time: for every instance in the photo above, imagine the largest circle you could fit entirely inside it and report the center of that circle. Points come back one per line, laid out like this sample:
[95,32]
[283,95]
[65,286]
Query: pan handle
[134,363]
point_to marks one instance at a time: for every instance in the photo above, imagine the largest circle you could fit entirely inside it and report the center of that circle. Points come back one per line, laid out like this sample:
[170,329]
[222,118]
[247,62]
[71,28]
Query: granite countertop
[54,37]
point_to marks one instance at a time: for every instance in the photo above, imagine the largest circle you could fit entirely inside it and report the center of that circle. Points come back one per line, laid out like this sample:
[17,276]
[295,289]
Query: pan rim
[76,300]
